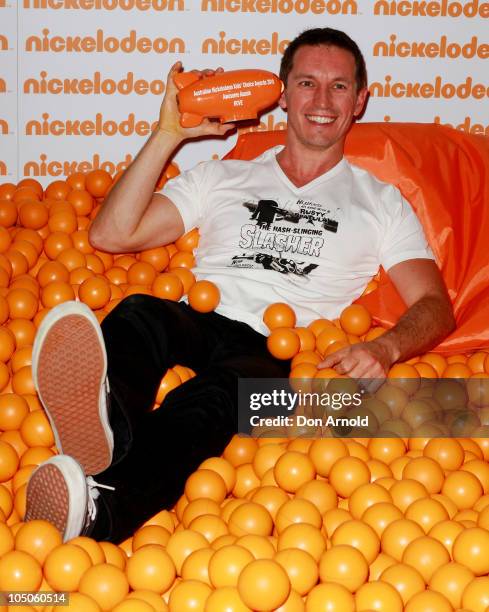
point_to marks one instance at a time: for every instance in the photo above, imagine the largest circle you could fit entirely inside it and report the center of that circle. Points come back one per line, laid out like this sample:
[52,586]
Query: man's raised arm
[133,217]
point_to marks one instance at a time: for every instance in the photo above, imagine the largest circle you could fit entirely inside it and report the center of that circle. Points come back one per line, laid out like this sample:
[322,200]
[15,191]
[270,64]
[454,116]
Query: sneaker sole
[69,367]
[58,497]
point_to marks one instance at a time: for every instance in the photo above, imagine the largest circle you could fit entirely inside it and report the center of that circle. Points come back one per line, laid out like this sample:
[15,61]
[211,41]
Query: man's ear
[360,103]
[281,101]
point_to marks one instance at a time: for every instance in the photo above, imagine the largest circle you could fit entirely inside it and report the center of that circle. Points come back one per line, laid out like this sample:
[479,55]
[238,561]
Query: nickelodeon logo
[466,126]
[106,5]
[424,8]
[245,46]
[87,127]
[436,89]
[3,43]
[4,127]
[96,85]
[441,48]
[301,7]
[100,43]
[65,168]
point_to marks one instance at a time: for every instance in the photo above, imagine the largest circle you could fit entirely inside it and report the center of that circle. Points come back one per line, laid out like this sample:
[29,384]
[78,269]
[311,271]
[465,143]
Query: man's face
[321,97]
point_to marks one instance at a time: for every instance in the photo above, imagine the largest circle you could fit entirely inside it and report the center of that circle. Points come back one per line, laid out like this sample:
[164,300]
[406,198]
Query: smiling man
[298,224]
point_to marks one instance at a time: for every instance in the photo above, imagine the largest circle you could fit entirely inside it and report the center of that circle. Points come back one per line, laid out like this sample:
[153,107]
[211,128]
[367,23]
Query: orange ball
[167,286]
[37,538]
[141,273]
[186,276]
[19,571]
[426,512]
[57,242]
[150,534]
[222,467]
[330,597]
[475,597]
[51,271]
[347,474]
[463,488]
[279,315]
[13,410]
[250,518]
[303,536]
[55,293]
[426,471]
[325,452]
[297,511]
[22,304]
[405,579]
[97,182]
[398,535]
[470,549]
[7,344]
[359,535]
[226,599]
[9,461]
[451,580]
[157,257]
[379,596]
[95,292]
[36,430]
[292,470]
[301,568]
[226,565]
[57,190]
[447,452]
[240,450]
[426,555]
[355,319]
[204,296]
[283,343]
[81,201]
[205,483]
[151,568]
[188,596]
[8,213]
[106,584]
[345,565]
[446,533]
[33,214]
[196,565]
[263,585]
[182,544]
[428,601]
[63,221]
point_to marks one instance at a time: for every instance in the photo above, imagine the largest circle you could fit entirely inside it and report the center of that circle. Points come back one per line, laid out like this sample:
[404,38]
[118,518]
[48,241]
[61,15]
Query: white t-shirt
[264,240]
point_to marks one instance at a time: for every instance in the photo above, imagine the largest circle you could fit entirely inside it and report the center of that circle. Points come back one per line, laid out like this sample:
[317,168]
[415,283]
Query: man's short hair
[330,38]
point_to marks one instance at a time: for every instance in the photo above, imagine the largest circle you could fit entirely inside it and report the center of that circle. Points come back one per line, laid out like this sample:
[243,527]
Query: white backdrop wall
[81,81]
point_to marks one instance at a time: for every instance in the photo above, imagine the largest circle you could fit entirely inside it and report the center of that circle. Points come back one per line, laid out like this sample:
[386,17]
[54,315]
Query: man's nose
[323,97]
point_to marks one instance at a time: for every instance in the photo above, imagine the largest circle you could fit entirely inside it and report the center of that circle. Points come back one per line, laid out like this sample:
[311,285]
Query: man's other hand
[169,121]
[361,360]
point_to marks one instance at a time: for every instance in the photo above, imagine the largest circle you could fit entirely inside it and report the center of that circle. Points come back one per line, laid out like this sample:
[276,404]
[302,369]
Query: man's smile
[320,119]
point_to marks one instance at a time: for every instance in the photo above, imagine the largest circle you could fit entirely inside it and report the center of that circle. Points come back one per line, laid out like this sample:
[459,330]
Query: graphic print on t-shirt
[279,232]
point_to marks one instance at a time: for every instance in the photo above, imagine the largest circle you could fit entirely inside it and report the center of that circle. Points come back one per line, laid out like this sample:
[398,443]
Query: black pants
[155,451]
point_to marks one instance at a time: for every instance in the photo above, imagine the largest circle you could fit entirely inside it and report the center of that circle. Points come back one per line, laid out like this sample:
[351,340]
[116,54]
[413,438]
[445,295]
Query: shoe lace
[94,494]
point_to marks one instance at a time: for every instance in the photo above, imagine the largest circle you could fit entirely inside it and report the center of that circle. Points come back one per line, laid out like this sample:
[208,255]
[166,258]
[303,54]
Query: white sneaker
[59,492]
[69,369]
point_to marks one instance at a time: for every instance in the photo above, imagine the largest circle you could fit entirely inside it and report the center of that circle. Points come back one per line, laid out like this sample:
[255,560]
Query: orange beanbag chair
[444,174]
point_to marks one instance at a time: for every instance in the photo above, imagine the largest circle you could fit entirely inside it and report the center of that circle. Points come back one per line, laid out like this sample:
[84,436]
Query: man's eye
[339,86]
[306,83]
